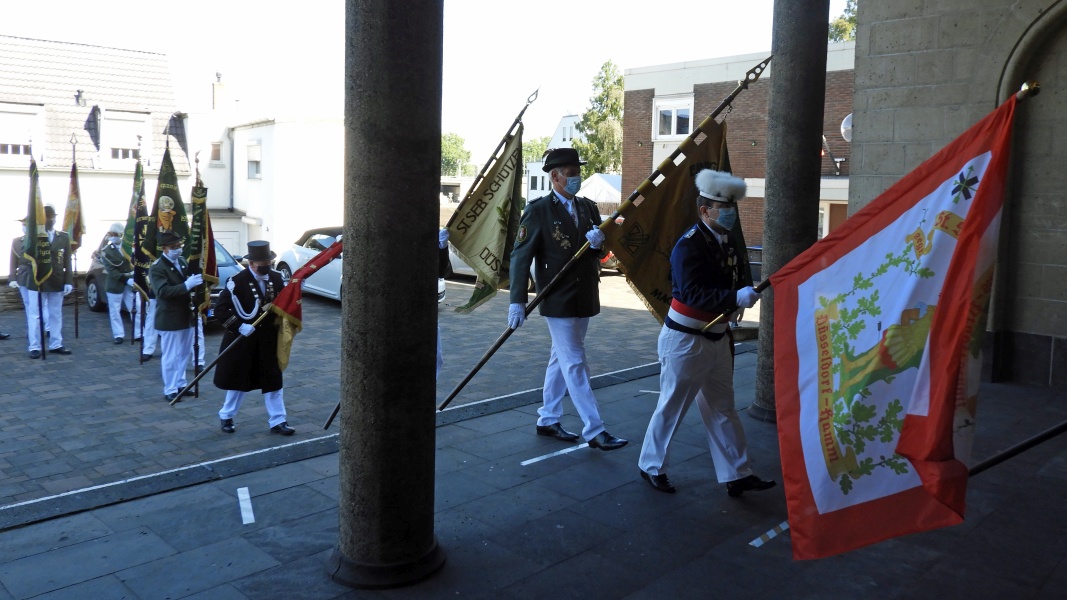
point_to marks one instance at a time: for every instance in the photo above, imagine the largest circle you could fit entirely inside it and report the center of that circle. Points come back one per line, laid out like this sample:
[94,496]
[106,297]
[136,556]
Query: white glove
[516,315]
[246,329]
[595,237]
[130,282]
[13,285]
[193,281]
[747,297]
[67,289]
[442,238]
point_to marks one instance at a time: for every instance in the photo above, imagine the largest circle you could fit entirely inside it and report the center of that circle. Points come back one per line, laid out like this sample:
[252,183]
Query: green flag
[73,220]
[35,246]
[138,223]
[168,211]
[483,228]
[199,248]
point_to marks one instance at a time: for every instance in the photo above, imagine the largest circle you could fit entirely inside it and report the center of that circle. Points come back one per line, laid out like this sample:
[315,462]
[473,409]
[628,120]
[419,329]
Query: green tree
[453,154]
[601,125]
[533,150]
[843,28]
[470,170]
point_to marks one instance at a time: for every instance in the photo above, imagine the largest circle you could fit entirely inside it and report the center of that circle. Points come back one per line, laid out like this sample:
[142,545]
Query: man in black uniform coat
[253,364]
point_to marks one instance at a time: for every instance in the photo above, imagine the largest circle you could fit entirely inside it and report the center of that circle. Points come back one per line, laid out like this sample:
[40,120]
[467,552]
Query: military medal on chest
[558,235]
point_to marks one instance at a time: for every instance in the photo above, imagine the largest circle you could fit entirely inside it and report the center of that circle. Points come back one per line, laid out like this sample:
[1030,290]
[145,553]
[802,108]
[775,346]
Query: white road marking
[246,506]
[773,533]
[558,453]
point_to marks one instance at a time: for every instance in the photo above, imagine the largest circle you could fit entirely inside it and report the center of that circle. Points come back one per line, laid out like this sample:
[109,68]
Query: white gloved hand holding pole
[596,238]
[516,315]
[194,280]
[442,238]
[246,329]
[747,297]
[67,289]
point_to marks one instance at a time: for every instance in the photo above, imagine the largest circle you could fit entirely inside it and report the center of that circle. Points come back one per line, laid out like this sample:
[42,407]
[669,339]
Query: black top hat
[260,250]
[168,237]
[561,157]
[49,211]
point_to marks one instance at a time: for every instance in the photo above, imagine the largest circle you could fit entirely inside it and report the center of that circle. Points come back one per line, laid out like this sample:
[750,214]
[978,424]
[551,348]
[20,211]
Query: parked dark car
[96,298]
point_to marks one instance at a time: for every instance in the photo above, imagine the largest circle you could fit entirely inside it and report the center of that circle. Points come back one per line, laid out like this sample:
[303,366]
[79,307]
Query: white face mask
[114,241]
[174,254]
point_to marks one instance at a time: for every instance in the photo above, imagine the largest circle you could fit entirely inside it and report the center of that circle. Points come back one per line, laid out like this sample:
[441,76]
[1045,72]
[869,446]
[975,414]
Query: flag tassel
[751,76]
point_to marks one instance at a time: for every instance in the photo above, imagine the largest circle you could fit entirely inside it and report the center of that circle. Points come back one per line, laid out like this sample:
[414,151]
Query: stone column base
[383,576]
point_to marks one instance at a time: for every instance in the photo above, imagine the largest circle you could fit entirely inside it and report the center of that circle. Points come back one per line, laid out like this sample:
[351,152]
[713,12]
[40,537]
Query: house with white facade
[537,183]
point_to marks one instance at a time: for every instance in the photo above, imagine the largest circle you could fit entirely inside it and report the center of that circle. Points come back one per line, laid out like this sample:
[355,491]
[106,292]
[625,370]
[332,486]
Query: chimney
[218,92]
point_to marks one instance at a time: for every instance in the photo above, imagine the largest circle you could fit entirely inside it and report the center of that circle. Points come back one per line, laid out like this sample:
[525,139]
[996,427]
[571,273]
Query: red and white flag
[877,337]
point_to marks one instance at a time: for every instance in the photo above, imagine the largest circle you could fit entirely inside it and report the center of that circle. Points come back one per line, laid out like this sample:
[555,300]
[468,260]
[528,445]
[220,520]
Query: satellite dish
[846,128]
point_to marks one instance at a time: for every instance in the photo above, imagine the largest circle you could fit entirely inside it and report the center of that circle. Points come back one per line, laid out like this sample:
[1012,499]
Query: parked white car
[327,281]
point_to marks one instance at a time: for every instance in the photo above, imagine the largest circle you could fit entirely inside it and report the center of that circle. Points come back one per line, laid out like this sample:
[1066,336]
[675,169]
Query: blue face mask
[174,254]
[573,183]
[727,217]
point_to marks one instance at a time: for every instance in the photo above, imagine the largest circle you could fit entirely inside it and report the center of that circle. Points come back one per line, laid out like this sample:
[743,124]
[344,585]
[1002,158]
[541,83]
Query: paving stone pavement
[573,525]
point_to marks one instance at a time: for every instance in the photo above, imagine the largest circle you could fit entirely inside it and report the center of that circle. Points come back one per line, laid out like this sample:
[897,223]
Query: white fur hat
[118,228]
[720,186]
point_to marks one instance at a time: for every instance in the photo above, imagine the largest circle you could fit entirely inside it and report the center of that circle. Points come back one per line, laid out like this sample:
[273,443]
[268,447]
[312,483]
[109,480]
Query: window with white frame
[672,117]
[126,135]
[255,155]
[18,123]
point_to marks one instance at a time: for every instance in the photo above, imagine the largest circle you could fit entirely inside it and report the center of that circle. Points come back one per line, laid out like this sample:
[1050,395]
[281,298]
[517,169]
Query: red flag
[287,304]
[877,351]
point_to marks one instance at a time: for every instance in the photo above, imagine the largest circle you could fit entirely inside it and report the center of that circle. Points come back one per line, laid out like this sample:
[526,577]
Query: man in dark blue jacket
[696,361]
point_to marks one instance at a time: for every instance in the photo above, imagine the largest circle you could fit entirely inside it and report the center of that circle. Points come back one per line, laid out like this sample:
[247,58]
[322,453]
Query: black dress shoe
[4,336]
[118,341]
[605,441]
[659,482]
[227,425]
[283,428]
[170,397]
[146,357]
[35,354]
[747,484]
[557,431]
[59,350]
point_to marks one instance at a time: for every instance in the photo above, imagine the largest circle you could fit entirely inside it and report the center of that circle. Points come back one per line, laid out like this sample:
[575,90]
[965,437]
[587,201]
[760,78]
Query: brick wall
[746,135]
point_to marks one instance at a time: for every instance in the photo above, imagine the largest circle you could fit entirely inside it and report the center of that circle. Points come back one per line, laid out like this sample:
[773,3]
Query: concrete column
[794,139]
[389,293]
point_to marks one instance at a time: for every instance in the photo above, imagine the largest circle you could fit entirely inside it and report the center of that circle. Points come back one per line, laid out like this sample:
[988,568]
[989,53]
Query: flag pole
[208,368]
[74,254]
[195,296]
[492,158]
[751,76]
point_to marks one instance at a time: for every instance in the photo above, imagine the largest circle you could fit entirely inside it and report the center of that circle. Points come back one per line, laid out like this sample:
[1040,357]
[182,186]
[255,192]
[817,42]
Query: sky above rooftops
[280,59]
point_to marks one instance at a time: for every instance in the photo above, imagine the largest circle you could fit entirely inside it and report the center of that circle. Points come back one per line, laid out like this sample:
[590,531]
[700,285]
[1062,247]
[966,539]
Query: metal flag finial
[1028,90]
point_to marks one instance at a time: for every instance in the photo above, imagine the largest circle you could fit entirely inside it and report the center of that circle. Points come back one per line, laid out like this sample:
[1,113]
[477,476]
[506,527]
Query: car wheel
[287,273]
[94,296]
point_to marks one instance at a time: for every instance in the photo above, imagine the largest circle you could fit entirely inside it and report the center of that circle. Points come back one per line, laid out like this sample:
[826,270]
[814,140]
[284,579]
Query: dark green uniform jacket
[548,238]
[174,309]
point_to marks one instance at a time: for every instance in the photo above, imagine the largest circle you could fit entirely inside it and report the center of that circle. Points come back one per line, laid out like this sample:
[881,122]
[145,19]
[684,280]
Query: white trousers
[149,325]
[53,318]
[693,367]
[115,304]
[176,348]
[274,400]
[568,372]
[25,294]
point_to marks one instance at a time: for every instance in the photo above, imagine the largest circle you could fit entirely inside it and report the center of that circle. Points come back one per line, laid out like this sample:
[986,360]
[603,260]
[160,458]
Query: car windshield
[222,257]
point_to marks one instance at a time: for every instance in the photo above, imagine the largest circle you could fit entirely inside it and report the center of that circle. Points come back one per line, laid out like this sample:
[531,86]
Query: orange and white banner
[877,351]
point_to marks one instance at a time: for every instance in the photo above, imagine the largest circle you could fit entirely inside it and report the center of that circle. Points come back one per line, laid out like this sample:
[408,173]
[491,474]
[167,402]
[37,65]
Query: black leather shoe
[146,357]
[227,425]
[659,482]
[605,441]
[170,397]
[4,336]
[557,431]
[118,341]
[60,350]
[748,484]
[35,354]
[283,428]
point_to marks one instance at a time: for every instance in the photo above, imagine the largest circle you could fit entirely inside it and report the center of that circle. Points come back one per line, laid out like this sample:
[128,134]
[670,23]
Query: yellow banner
[652,224]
